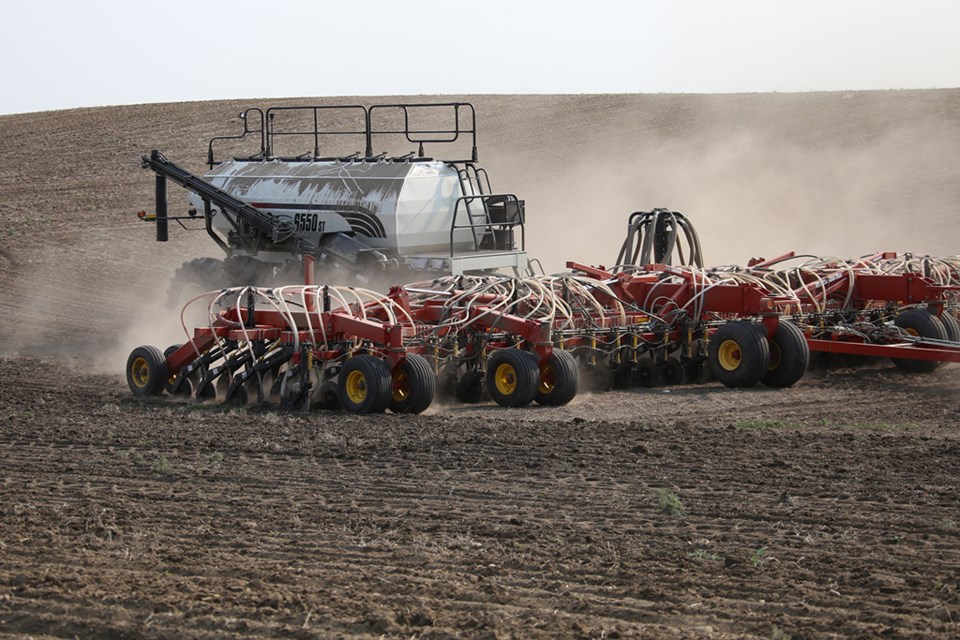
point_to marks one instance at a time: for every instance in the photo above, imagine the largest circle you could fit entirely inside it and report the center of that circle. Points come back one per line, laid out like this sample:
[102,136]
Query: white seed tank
[403,207]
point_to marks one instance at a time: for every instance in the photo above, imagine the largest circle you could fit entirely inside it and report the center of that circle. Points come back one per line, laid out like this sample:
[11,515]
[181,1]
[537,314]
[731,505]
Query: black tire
[365,385]
[694,372]
[174,386]
[245,271]
[195,277]
[513,377]
[646,373]
[621,375]
[146,371]
[329,394]
[671,372]
[739,354]
[923,324]
[469,388]
[559,379]
[951,325]
[414,385]
[789,356]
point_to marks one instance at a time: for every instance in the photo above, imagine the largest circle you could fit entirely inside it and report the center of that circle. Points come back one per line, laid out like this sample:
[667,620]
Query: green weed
[758,556]
[776,633]
[703,554]
[670,503]
[162,465]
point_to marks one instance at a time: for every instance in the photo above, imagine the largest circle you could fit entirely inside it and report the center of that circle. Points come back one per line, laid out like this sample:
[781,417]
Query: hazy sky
[59,54]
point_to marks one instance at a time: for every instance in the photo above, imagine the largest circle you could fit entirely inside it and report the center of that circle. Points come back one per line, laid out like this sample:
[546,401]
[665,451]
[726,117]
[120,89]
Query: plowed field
[826,510]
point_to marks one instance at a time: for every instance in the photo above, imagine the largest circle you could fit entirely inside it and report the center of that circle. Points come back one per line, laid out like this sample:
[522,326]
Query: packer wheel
[174,385]
[365,385]
[789,356]
[559,379]
[646,373]
[739,355]
[513,377]
[671,372]
[469,388]
[146,371]
[922,324]
[329,396]
[414,385]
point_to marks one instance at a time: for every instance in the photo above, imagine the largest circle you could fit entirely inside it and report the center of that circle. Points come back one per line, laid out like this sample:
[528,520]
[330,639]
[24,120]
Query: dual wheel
[920,323]
[515,378]
[366,385]
[741,354]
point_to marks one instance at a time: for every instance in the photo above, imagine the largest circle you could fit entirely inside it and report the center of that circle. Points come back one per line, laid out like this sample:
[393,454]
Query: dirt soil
[826,510]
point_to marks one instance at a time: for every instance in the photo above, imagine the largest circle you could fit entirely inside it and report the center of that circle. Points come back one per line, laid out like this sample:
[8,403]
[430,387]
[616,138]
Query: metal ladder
[472,183]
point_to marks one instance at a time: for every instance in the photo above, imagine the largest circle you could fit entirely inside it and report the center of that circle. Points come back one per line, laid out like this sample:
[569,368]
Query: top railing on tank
[281,127]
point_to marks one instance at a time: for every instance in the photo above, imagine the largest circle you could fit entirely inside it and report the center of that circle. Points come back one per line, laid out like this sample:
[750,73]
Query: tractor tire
[414,385]
[739,355]
[513,377]
[195,277]
[245,271]
[559,380]
[923,324]
[365,385]
[146,371]
[789,356]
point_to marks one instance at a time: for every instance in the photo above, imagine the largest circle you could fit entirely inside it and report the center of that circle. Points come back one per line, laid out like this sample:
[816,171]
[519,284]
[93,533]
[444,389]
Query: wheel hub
[140,372]
[356,387]
[729,355]
[506,379]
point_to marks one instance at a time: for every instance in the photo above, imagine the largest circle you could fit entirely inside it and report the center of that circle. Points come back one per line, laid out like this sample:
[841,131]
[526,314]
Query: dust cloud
[828,187]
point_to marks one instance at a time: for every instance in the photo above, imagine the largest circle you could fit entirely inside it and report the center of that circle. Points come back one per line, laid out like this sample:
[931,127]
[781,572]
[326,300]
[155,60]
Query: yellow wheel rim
[505,377]
[140,372]
[729,355]
[401,386]
[548,380]
[913,332]
[356,387]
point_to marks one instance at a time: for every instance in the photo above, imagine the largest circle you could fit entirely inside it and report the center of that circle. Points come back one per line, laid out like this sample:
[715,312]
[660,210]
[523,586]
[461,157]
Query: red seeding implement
[522,338]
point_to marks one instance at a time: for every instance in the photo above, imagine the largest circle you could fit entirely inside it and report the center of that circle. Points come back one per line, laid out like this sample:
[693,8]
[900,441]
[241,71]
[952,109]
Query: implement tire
[365,385]
[922,324]
[951,325]
[414,385]
[559,379]
[789,356]
[146,371]
[739,355]
[513,377]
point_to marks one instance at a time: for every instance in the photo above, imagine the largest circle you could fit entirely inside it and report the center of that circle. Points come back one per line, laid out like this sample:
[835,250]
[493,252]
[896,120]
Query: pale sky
[58,54]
